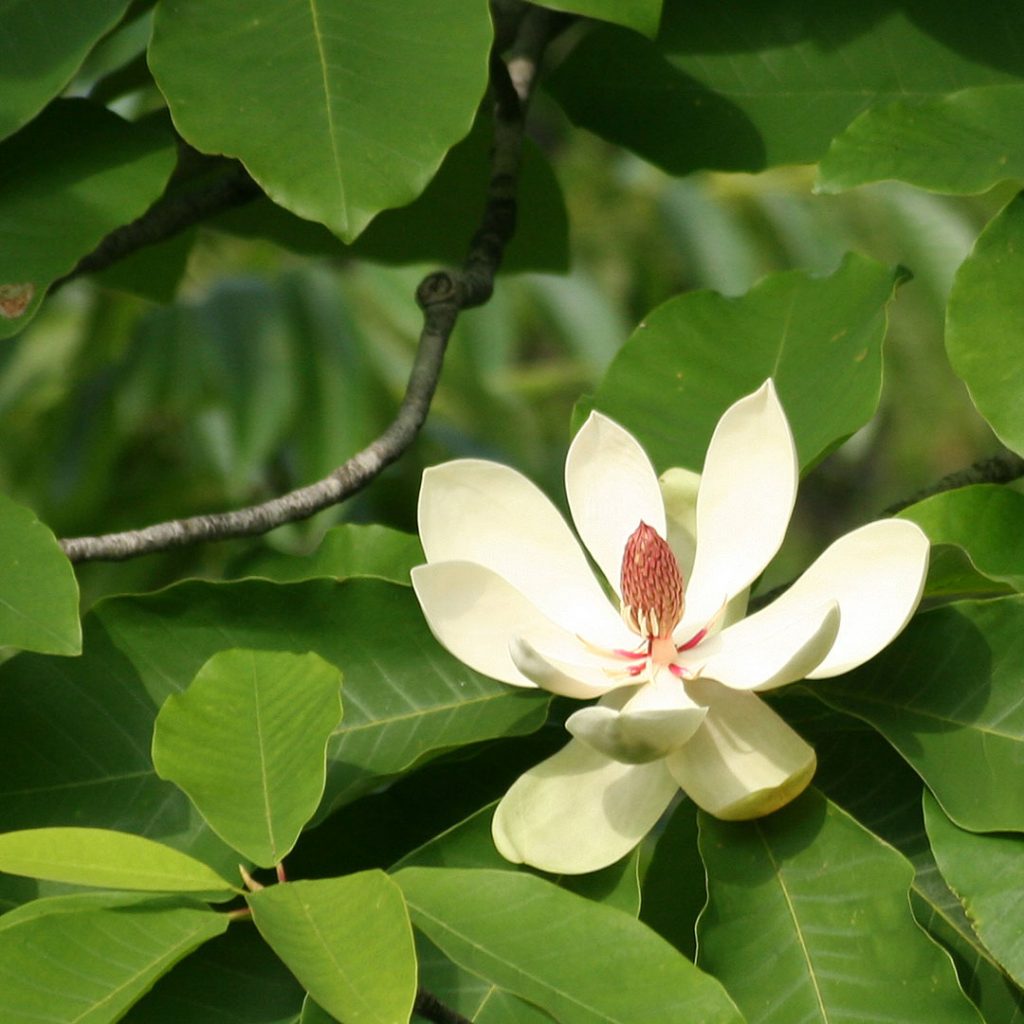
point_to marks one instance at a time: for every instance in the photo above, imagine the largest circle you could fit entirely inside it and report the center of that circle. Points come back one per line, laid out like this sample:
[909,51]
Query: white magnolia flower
[508,590]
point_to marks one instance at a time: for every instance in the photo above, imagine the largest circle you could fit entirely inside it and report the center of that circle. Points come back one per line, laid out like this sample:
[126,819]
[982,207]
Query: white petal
[579,811]
[877,575]
[568,677]
[476,511]
[768,649]
[746,497]
[679,489]
[657,720]
[475,613]
[744,761]
[612,488]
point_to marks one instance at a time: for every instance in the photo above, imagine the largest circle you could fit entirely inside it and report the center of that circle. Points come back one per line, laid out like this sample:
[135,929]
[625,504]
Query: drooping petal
[744,761]
[747,491]
[769,649]
[475,613]
[876,574]
[577,676]
[679,489]
[579,811]
[612,488]
[658,719]
[476,511]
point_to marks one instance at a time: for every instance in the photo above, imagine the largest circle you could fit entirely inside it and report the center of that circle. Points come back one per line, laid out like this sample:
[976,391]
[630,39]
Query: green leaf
[985,322]
[337,133]
[247,742]
[986,522]
[531,938]
[820,338]
[956,715]
[964,142]
[90,966]
[38,589]
[711,92]
[40,50]
[987,873]
[347,940]
[99,172]
[642,15]
[808,919]
[117,860]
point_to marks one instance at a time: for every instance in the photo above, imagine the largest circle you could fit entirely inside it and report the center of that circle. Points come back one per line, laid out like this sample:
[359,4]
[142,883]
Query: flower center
[652,591]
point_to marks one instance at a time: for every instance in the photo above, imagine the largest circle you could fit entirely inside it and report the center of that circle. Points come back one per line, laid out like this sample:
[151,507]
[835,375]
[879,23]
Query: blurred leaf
[986,522]
[775,88]
[531,938]
[987,873]
[348,941]
[963,142]
[956,714]
[819,338]
[246,741]
[90,966]
[38,589]
[41,48]
[469,845]
[985,322]
[99,172]
[808,919]
[336,134]
[117,860]
[642,15]
[153,272]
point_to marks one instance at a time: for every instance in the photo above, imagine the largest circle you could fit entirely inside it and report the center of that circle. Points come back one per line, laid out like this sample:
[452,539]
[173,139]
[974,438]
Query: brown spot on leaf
[14,299]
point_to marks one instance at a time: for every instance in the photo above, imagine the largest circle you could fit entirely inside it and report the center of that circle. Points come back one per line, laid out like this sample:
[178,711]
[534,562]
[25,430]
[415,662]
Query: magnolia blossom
[508,589]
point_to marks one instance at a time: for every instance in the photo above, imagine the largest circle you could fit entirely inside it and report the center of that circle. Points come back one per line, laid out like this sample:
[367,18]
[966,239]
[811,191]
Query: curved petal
[579,811]
[476,511]
[612,488]
[475,613]
[877,575]
[566,677]
[656,721]
[768,649]
[679,489]
[746,497]
[744,761]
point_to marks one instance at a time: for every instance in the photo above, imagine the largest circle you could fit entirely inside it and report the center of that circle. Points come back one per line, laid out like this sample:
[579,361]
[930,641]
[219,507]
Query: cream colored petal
[475,613]
[768,649]
[679,489]
[747,490]
[877,575]
[476,511]
[612,488]
[659,718]
[579,678]
[744,761]
[579,811]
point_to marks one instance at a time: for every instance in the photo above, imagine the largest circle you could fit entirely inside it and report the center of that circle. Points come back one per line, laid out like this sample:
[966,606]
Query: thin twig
[429,1006]
[442,295]
[1001,468]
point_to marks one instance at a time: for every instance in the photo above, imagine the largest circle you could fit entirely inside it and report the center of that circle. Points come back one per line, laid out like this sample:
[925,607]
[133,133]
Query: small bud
[651,585]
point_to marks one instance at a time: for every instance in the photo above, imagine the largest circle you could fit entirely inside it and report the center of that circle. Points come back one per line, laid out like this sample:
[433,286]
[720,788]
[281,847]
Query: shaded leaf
[246,741]
[347,940]
[808,919]
[531,938]
[642,15]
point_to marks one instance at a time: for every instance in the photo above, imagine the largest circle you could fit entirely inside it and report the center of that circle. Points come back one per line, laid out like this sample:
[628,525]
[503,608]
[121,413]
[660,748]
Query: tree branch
[429,1006]
[442,295]
[1001,468]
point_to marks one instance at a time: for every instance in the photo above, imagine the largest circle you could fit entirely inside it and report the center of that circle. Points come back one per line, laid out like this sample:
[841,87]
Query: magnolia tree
[572,750]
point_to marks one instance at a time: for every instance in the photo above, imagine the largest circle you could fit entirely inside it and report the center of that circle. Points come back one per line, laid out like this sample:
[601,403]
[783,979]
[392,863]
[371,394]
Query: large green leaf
[116,860]
[41,48]
[75,735]
[582,962]
[91,965]
[808,919]
[776,85]
[820,338]
[987,873]
[964,142]
[946,694]
[985,322]
[362,104]
[66,180]
[986,522]
[348,941]
[247,741]
[38,589]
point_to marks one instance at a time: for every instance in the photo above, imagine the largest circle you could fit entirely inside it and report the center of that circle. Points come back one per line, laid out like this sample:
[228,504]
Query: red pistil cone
[652,585]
